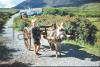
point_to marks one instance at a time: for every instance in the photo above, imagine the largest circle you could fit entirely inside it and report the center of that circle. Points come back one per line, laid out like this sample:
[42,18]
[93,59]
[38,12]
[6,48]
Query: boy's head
[34,24]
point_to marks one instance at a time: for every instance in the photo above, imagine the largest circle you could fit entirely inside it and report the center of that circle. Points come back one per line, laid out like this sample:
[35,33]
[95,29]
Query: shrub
[81,29]
[57,11]
[19,23]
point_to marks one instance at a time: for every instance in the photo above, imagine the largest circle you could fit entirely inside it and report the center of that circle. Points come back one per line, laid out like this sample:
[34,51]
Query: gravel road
[71,55]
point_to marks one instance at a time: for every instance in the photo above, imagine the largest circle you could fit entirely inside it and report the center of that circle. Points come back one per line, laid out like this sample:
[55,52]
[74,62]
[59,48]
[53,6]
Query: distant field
[87,10]
[9,10]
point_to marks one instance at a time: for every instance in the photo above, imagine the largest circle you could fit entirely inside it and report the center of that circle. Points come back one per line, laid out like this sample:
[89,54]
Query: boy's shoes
[38,54]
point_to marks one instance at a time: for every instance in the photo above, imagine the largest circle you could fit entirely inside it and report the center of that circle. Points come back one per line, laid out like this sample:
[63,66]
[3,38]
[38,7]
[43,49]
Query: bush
[57,11]
[51,19]
[4,16]
[19,23]
[81,29]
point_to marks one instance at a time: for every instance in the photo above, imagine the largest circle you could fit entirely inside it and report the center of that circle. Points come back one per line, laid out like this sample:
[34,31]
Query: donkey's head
[60,32]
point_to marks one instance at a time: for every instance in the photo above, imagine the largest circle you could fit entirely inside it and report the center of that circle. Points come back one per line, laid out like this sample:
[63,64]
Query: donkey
[55,35]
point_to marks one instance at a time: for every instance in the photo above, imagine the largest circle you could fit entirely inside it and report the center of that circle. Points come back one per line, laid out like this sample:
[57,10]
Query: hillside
[91,6]
[52,3]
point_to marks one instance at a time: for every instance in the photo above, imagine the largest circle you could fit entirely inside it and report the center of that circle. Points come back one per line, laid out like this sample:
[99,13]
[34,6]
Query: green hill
[91,6]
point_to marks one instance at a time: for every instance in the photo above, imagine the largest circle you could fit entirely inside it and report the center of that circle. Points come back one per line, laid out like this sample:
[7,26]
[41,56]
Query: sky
[9,3]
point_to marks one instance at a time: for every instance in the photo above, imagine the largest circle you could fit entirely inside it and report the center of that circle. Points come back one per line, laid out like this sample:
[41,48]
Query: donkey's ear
[57,26]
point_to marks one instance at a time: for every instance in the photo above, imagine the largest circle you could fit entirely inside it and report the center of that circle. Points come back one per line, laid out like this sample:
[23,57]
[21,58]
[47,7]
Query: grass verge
[93,49]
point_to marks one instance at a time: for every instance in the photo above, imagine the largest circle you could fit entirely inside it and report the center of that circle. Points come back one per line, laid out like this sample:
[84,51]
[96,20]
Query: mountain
[52,3]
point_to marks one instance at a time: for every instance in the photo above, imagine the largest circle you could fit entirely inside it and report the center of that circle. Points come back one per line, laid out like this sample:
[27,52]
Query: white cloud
[6,3]
[9,3]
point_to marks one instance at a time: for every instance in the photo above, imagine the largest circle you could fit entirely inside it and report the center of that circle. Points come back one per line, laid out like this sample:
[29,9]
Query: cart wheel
[27,39]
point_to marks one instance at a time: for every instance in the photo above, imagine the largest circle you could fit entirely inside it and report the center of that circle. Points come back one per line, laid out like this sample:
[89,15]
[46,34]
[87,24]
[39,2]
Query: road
[71,55]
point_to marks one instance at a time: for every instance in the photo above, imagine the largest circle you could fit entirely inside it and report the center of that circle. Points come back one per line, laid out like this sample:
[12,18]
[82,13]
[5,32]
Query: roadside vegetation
[5,14]
[9,10]
[81,22]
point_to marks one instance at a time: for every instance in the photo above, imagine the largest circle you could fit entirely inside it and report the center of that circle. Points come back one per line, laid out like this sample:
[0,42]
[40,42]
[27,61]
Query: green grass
[93,49]
[9,10]
[91,6]
[88,10]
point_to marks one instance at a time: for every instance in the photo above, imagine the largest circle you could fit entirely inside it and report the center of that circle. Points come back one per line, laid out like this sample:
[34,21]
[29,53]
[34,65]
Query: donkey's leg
[59,48]
[56,49]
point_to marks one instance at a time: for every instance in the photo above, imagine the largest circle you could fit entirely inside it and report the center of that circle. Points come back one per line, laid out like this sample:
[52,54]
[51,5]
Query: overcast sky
[9,3]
